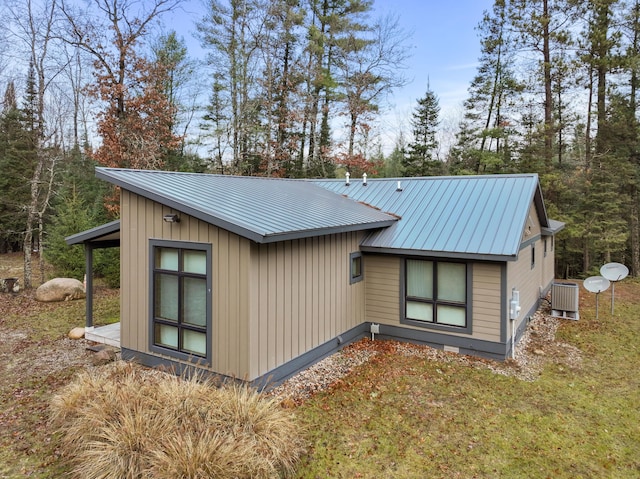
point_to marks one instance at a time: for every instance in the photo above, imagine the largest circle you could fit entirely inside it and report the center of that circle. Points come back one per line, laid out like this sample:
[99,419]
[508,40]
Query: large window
[435,293]
[181,299]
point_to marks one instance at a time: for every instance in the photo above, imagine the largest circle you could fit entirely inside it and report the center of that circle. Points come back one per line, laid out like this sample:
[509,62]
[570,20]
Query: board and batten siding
[521,276]
[300,297]
[548,261]
[382,301]
[141,220]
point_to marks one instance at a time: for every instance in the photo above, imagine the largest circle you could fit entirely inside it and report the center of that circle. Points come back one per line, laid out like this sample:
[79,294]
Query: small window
[355,267]
[533,256]
[180,299]
[545,247]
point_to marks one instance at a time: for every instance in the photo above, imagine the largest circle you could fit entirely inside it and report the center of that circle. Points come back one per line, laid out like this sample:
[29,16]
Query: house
[257,278]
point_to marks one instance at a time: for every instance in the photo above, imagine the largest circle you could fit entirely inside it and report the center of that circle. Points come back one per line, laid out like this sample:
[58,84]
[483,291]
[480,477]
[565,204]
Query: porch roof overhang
[103,236]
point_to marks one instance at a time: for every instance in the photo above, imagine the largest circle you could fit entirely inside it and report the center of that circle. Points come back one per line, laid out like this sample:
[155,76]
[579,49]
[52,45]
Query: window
[545,247]
[533,256]
[181,299]
[355,268]
[435,293]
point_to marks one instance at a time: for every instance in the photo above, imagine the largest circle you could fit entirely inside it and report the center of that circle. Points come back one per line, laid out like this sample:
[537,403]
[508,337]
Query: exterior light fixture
[171,218]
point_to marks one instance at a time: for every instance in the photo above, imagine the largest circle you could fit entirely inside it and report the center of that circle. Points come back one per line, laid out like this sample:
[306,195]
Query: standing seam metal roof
[261,209]
[480,217]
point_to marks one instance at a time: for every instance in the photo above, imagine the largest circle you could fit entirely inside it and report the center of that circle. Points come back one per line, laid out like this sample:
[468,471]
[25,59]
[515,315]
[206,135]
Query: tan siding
[382,279]
[526,280]
[302,297]
[548,263]
[141,221]
[486,308]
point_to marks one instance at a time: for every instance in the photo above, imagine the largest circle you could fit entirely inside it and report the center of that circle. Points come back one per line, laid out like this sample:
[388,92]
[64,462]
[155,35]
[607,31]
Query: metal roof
[480,217]
[261,209]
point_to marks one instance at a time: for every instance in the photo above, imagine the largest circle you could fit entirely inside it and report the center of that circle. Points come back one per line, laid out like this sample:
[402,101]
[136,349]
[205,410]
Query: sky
[444,46]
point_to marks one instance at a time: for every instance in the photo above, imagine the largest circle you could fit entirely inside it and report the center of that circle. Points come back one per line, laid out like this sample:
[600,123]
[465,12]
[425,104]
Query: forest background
[296,88]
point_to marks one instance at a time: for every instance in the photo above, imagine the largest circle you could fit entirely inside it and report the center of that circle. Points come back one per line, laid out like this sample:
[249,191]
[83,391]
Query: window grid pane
[452,284]
[451,315]
[420,311]
[167,258]
[420,279]
[194,342]
[194,300]
[166,297]
[195,262]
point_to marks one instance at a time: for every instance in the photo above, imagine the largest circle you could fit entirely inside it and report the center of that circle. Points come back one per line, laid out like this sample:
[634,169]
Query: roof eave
[441,254]
[554,228]
[94,234]
[292,235]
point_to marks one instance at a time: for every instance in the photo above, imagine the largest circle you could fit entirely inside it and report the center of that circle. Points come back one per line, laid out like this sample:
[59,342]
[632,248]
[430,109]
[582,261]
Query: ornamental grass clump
[123,421]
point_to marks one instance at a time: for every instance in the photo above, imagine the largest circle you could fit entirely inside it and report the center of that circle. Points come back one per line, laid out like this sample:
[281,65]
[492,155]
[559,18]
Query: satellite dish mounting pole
[613,295]
[614,272]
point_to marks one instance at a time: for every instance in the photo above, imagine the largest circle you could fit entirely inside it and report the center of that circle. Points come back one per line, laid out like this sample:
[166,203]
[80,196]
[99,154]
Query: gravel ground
[536,347]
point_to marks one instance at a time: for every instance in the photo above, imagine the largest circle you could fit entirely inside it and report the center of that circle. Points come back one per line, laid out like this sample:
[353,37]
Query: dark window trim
[468,329]
[355,279]
[181,245]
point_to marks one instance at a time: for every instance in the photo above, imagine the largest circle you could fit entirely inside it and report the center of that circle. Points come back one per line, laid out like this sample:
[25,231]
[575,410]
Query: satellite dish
[596,284]
[614,271]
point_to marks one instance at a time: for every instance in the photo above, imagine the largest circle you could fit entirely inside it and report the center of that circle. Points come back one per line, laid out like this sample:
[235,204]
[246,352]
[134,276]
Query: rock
[76,333]
[60,289]
[538,352]
[104,356]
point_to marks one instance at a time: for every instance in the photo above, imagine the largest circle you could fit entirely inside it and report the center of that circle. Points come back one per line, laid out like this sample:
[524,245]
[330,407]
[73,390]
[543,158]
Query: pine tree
[16,155]
[419,160]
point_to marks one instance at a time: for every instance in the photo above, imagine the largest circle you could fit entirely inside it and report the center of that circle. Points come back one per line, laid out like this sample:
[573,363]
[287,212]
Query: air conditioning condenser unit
[564,300]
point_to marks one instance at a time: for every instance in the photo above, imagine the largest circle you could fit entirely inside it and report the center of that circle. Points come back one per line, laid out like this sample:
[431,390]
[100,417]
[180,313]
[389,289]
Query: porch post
[88,258]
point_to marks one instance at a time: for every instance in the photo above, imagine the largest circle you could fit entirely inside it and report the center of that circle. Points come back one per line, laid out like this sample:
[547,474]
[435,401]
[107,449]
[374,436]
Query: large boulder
[60,289]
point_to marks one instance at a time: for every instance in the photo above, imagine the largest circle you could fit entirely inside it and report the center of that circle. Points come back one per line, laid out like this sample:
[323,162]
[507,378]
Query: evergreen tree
[419,160]
[16,155]
[489,109]
[72,215]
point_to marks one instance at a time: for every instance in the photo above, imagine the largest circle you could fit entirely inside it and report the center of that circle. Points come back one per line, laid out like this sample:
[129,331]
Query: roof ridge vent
[364,179]
[347,175]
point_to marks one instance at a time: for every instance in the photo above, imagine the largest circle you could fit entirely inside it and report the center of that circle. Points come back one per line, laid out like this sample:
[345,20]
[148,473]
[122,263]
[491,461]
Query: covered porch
[104,236]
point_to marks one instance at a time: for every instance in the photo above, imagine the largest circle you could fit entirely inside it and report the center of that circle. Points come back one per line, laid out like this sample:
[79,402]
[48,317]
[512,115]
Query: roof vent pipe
[399,188]
[364,179]
[347,175]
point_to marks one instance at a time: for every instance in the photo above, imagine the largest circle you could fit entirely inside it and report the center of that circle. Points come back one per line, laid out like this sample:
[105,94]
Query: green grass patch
[51,321]
[406,417]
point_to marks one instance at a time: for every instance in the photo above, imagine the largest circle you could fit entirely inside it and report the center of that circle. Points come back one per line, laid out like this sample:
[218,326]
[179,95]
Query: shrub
[123,421]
